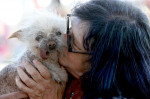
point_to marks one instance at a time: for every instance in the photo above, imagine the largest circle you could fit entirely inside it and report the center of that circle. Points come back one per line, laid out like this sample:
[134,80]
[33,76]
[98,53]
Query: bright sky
[11,11]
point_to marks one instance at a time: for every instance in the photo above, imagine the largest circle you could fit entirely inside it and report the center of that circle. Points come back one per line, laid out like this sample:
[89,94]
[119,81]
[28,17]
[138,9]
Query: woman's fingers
[14,95]
[25,78]
[33,72]
[22,86]
[31,92]
[42,69]
[41,82]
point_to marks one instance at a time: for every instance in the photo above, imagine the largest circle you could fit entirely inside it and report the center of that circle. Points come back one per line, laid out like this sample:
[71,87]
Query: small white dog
[42,36]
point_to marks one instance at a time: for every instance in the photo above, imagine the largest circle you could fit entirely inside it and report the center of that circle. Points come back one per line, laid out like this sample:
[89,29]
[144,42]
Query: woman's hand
[41,85]
[14,95]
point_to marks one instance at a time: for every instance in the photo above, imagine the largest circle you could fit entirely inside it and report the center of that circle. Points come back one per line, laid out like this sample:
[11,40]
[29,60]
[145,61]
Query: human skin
[42,86]
[14,95]
[76,64]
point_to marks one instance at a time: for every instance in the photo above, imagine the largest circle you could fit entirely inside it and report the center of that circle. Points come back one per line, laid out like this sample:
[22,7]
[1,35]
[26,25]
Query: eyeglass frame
[69,38]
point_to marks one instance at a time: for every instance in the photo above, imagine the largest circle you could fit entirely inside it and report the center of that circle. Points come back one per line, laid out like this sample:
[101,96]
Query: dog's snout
[52,45]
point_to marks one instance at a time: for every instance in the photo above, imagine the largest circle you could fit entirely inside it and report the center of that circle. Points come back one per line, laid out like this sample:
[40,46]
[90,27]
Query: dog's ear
[15,34]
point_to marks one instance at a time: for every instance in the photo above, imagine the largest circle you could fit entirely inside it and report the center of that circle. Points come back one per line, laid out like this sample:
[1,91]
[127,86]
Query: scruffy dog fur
[42,34]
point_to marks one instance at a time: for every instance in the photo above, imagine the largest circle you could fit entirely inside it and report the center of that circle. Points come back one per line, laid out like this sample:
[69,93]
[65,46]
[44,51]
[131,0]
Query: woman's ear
[15,34]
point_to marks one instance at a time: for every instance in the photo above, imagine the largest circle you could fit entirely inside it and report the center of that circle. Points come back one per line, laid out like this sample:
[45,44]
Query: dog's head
[43,34]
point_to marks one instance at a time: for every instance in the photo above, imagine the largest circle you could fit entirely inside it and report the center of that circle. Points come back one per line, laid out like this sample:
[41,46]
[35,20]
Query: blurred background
[12,11]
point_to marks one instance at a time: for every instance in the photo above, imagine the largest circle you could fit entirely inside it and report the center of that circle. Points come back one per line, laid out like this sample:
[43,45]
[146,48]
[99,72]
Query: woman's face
[76,63]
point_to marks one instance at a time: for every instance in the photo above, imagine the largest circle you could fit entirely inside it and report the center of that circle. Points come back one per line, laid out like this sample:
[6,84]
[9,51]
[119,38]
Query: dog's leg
[7,80]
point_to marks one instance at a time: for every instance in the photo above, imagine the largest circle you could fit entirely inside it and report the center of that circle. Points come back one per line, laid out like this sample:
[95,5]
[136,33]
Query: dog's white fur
[48,25]
[57,7]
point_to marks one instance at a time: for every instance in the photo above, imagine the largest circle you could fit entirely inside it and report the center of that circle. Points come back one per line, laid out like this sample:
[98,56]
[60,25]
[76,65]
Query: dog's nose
[52,45]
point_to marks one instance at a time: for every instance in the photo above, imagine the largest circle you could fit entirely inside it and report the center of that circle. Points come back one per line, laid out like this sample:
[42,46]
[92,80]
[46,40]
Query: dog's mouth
[44,54]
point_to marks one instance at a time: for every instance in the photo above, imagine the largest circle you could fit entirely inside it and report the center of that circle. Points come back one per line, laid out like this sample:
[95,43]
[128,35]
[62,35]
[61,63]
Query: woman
[109,52]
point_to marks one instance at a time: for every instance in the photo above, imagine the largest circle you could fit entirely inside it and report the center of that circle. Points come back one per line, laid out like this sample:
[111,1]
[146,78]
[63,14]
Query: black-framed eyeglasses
[69,42]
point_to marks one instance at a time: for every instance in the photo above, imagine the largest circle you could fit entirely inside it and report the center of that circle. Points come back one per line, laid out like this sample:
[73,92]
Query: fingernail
[17,77]
[19,67]
[34,61]
[24,62]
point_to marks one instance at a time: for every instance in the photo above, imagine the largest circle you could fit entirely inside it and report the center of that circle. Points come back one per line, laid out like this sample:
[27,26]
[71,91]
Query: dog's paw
[56,77]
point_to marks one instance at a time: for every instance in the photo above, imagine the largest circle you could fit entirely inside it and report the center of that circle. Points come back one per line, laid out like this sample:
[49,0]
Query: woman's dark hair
[119,43]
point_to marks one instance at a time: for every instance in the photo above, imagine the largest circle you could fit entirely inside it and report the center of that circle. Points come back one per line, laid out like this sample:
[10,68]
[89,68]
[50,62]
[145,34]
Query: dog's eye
[58,33]
[39,37]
